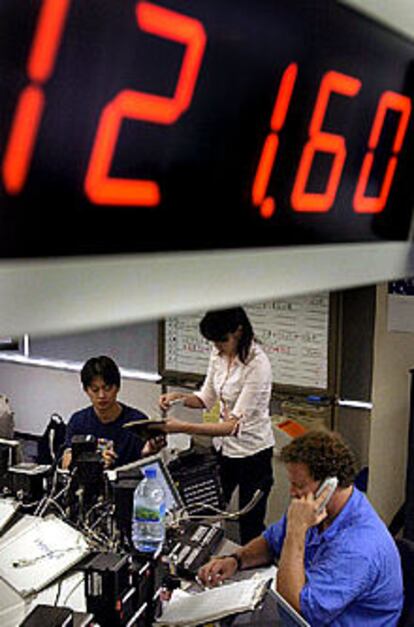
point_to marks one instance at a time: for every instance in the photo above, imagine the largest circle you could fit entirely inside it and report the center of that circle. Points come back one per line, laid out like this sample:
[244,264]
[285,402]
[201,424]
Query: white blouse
[244,392]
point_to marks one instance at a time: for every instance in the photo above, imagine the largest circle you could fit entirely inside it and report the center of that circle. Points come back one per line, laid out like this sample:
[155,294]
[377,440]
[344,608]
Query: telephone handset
[332,484]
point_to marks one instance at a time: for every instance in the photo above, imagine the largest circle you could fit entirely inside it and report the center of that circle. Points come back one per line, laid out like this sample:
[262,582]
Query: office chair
[406,549]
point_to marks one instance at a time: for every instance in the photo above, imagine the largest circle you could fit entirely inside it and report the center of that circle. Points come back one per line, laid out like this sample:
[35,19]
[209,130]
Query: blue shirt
[127,445]
[353,569]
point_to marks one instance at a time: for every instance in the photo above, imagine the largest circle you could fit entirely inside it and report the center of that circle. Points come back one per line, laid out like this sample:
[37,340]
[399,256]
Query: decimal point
[267,208]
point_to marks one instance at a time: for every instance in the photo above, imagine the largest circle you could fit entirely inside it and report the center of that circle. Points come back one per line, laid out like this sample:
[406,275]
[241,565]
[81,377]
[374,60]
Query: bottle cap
[150,473]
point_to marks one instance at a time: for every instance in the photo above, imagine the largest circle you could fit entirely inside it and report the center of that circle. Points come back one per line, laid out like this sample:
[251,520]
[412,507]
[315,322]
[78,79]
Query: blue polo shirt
[127,445]
[353,569]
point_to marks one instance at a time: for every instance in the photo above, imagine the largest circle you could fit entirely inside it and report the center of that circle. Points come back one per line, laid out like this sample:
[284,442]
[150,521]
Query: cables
[51,498]
[184,513]
[26,561]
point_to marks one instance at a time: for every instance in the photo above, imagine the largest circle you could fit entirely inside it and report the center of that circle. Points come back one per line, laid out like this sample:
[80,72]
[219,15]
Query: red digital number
[99,186]
[271,145]
[30,105]
[320,141]
[375,204]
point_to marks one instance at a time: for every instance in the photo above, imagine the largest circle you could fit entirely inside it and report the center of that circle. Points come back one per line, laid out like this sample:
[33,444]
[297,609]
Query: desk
[266,613]
[272,611]
[69,592]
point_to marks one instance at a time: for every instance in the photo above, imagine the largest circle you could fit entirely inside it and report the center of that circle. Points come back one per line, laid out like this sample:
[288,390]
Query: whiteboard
[294,332]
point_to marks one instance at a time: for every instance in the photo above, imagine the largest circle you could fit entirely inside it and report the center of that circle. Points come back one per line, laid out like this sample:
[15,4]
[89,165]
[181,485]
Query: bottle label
[145,514]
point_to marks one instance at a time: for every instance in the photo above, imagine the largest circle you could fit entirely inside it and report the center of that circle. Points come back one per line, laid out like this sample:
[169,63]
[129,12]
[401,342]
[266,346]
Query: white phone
[332,484]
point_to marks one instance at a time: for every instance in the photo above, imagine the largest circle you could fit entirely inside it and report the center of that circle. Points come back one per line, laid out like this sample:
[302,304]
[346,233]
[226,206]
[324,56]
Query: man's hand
[109,456]
[154,445]
[303,512]
[217,570]
[67,458]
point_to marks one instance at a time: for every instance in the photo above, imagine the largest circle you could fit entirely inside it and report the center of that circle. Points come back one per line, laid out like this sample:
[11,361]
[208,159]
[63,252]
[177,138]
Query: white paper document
[213,604]
[40,553]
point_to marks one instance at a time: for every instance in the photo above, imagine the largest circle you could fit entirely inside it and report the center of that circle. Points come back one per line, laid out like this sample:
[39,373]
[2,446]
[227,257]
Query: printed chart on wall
[401,306]
[294,332]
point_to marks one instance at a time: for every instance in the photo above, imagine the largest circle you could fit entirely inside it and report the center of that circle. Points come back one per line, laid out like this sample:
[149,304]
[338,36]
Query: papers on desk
[192,609]
[40,552]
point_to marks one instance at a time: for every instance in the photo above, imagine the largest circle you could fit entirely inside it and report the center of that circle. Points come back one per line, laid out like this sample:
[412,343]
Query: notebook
[40,552]
[189,609]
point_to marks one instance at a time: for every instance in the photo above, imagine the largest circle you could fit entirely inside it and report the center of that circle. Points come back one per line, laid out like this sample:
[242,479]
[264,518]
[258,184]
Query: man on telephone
[337,563]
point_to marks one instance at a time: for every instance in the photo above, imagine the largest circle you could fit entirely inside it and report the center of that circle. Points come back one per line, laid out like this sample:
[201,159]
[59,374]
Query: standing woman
[239,376]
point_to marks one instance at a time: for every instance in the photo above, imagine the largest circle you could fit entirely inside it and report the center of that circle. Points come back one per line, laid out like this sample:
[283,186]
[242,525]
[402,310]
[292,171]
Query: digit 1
[271,145]
[31,102]
[99,186]
[320,141]
[375,204]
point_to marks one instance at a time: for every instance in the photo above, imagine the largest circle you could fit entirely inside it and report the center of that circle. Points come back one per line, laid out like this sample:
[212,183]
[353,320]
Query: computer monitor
[11,451]
[8,508]
[173,500]
[288,616]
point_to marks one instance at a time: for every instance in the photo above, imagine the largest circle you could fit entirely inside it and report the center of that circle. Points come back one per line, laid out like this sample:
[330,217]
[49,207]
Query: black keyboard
[197,479]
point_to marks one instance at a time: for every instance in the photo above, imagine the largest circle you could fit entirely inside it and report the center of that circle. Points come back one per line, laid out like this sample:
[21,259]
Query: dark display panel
[132,126]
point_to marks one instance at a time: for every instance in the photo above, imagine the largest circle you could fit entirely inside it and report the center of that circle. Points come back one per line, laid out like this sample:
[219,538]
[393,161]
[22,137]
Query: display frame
[166,116]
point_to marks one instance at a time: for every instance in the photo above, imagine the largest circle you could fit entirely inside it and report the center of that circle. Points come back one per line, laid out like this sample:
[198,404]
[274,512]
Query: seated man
[105,418]
[337,567]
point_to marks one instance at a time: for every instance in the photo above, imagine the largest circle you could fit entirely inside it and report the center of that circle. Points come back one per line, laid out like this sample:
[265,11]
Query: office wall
[393,358]
[35,393]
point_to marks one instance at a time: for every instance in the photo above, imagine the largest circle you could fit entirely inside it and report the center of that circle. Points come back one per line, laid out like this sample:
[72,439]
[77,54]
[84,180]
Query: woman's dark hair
[216,325]
[101,366]
[324,453]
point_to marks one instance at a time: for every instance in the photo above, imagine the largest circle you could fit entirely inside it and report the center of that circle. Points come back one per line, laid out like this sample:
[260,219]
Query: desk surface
[69,591]
[267,613]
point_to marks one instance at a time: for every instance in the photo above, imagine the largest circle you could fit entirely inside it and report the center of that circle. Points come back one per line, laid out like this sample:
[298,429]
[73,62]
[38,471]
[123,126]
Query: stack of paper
[213,604]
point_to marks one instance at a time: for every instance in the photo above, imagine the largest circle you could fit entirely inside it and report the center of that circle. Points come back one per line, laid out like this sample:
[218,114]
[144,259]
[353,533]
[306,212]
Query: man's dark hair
[324,453]
[216,325]
[101,366]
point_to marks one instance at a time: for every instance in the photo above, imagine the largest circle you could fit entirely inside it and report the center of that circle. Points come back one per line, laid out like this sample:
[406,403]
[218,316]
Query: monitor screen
[8,507]
[126,108]
[287,614]
[10,448]
[173,500]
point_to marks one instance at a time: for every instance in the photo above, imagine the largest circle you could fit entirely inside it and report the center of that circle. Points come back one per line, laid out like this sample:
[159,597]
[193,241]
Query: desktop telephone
[191,546]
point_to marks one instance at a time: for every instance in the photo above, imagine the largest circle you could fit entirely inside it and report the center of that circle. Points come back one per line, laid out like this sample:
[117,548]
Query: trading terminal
[297,170]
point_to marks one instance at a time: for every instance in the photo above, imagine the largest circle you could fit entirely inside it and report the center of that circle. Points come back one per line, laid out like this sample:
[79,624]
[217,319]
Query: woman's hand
[217,570]
[166,399]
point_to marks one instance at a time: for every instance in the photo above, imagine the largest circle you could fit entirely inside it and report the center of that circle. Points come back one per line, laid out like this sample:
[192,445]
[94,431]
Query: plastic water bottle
[148,516]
